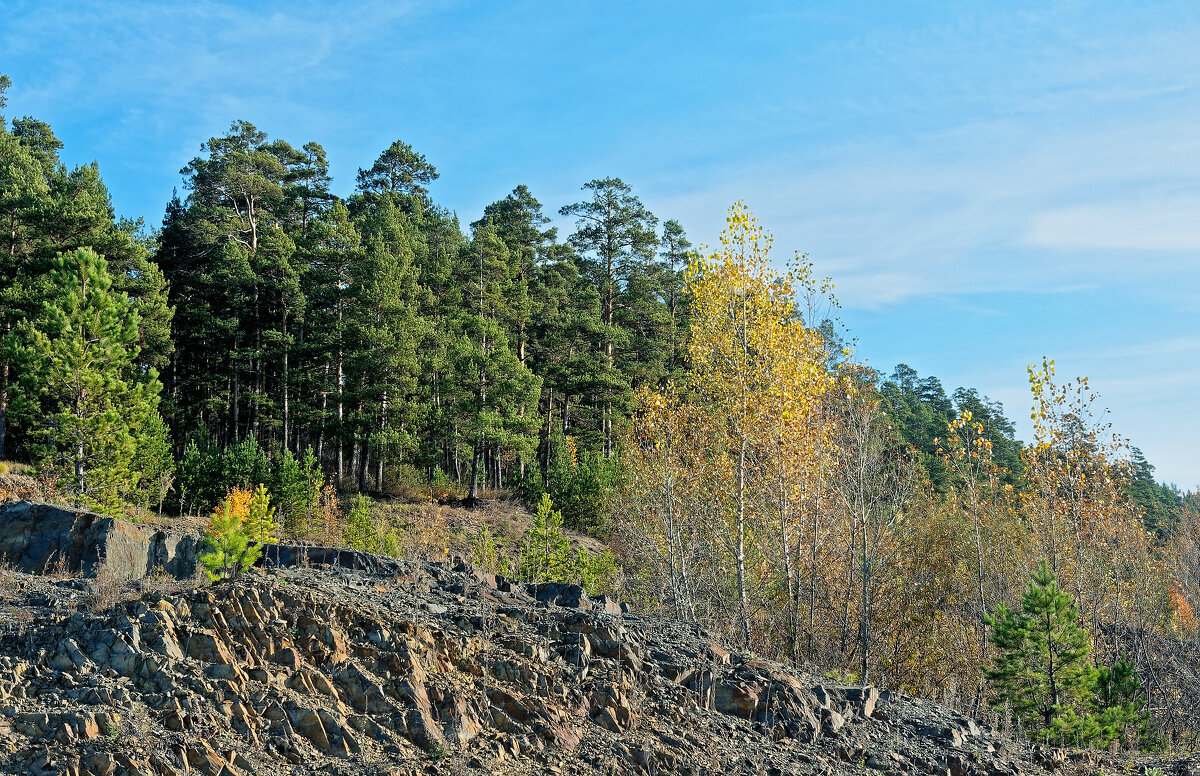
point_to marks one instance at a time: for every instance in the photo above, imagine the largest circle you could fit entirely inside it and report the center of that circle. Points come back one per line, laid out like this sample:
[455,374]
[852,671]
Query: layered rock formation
[41,538]
[406,668]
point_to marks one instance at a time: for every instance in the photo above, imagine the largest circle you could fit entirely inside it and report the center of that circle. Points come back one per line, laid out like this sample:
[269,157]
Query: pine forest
[687,427]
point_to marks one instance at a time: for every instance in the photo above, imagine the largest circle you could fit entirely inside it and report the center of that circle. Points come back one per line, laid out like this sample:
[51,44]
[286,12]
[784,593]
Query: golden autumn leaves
[766,494]
[735,428]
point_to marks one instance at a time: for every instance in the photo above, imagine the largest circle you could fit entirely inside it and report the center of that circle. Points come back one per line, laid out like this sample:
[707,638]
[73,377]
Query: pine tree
[229,551]
[240,528]
[296,484]
[230,259]
[617,231]
[259,523]
[1041,667]
[545,553]
[384,336]
[1121,715]
[672,270]
[47,209]
[360,533]
[153,461]
[23,193]
[75,397]
[518,220]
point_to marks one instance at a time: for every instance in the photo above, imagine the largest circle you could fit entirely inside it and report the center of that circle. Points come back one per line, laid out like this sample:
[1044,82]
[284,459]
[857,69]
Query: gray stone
[41,538]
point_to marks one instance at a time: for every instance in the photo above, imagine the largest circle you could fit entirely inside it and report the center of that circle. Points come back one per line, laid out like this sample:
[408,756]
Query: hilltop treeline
[376,332]
[698,412]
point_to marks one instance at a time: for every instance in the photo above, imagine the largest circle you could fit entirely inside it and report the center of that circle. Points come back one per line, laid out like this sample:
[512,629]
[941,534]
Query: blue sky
[985,182]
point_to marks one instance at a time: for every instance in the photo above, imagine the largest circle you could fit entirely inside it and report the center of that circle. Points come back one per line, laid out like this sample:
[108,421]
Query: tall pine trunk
[3,406]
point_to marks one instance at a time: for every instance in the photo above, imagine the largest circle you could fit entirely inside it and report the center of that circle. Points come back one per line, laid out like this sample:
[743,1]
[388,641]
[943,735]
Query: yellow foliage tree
[1083,521]
[731,441]
[239,529]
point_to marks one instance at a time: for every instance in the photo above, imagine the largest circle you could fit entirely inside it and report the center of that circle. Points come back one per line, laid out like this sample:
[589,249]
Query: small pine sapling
[240,528]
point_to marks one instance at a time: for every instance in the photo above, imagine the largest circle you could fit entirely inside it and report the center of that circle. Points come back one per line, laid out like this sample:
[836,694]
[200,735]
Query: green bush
[241,527]
[580,485]
[597,574]
[296,484]
[546,555]
[360,532]
[486,553]
[1043,673]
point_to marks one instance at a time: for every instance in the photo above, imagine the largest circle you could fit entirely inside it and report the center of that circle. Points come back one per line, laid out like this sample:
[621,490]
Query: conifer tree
[229,550]
[259,522]
[493,408]
[1041,668]
[23,192]
[385,332]
[360,533]
[545,553]
[518,220]
[673,263]
[47,209]
[616,230]
[153,461]
[76,398]
[238,531]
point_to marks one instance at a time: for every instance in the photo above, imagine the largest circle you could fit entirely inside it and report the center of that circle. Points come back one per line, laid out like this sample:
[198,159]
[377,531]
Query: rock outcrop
[40,538]
[394,667]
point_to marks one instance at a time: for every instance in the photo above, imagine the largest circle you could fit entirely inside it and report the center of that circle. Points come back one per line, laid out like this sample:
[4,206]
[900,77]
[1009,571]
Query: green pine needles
[241,527]
[1043,673]
[546,555]
[81,395]
[360,532]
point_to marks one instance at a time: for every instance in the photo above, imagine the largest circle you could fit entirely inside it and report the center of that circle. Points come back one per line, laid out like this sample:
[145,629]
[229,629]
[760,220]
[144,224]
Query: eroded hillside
[407,668]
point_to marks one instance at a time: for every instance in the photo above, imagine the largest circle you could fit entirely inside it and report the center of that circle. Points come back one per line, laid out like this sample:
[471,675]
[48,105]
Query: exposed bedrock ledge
[40,538]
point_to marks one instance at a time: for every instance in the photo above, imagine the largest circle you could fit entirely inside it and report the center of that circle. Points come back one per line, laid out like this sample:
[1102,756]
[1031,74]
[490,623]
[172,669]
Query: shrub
[546,555]
[296,486]
[598,574]
[240,527]
[580,485]
[485,553]
[360,532]
[327,516]
[1042,671]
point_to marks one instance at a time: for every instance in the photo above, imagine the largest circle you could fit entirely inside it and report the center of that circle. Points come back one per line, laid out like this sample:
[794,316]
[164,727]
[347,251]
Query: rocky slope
[407,668]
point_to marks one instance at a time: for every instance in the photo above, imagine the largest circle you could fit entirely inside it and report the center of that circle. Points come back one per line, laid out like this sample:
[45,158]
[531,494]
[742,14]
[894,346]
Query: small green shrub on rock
[546,555]
[240,528]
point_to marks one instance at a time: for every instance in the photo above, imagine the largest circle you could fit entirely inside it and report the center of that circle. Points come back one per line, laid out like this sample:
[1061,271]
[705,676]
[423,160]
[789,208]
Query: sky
[985,183]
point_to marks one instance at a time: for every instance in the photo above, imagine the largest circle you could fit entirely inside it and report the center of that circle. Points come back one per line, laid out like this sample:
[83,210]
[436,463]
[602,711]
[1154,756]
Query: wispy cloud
[996,214]
[1167,225]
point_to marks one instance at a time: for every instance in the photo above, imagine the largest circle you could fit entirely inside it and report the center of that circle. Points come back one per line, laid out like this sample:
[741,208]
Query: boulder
[40,538]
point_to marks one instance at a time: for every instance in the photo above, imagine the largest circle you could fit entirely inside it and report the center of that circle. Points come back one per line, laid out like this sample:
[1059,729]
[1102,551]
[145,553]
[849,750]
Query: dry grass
[107,590]
[429,531]
[18,483]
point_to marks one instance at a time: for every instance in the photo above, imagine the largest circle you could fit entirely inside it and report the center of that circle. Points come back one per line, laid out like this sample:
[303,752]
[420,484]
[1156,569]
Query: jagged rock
[407,668]
[37,538]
